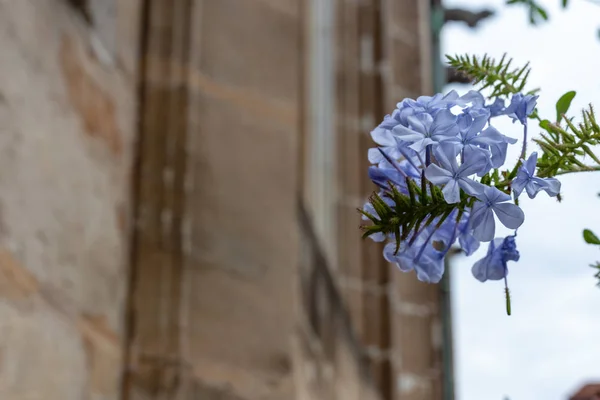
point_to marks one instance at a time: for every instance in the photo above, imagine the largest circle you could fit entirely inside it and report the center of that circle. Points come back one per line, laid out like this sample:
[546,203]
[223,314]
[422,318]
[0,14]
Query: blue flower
[493,266]
[424,129]
[428,264]
[397,174]
[533,184]
[473,139]
[473,97]
[431,104]
[388,142]
[382,176]
[470,126]
[521,106]
[499,150]
[453,177]
[467,241]
[491,201]
[496,108]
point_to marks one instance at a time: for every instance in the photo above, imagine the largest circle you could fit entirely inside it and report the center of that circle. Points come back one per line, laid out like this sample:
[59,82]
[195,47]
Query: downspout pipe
[439,81]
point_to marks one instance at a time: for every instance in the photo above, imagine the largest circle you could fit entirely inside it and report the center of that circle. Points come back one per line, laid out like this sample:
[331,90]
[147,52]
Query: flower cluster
[439,166]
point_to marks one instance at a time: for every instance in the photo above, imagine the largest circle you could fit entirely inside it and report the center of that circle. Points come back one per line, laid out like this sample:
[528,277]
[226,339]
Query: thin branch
[472,19]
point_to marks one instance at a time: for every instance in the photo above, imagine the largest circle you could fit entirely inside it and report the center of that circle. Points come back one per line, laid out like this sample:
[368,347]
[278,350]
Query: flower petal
[420,145]
[471,187]
[483,224]
[495,195]
[407,134]
[531,163]
[519,183]
[489,136]
[445,155]
[436,175]
[492,266]
[549,185]
[374,156]
[430,269]
[479,122]
[383,137]
[475,161]
[509,214]
[468,243]
[451,191]
[444,118]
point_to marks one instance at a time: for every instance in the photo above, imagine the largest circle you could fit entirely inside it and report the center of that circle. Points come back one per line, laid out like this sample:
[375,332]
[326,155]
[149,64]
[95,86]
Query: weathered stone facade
[153,158]
[67,133]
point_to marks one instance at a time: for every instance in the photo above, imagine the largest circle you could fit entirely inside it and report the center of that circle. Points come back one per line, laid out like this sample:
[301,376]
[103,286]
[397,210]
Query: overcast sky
[550,346]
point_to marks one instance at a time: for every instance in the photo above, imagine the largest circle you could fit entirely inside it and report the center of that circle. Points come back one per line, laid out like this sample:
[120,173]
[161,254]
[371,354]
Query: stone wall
[152,160]
[67,124]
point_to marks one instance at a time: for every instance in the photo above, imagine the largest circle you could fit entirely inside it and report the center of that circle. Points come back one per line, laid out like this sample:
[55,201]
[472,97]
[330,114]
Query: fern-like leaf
[491,74]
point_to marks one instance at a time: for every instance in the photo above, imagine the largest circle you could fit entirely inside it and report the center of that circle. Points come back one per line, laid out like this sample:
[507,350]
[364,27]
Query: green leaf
[563,104]
[545,124]
[565,3]
[590,237]
[542,12]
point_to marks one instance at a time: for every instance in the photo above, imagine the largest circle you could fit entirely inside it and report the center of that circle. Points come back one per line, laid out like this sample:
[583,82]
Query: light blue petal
[430,270]
[498,154]
[519,183]
[383,137]
[532,188]
[451,192]
[479,269]
[479,123]
[489,136]
[444,118]
[374,156]
[474,162]
[377,237]
[509,214]
[436,175]
[495,195]
[549,185]
[471,187]
[531,163]
[451,96]
[531,103]
[407,134]
[420,145]
[483,224]
[510,140]
[445,155]
[468,243]
[464,121]
[473,97]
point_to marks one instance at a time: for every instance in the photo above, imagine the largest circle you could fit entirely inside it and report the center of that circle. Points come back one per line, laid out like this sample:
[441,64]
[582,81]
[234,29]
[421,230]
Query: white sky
[550,346]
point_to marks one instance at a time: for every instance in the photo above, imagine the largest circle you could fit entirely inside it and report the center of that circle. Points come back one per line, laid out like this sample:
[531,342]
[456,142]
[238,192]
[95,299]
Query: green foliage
[563,104]
[411,213]
[597,275]
[535,11]
[590,237]
[492,74]
[566,146]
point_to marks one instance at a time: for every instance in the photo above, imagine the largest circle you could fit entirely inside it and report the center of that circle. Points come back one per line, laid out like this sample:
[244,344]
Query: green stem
[585,168]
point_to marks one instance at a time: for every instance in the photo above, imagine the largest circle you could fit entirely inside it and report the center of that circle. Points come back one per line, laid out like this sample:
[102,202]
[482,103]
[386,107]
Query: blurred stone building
[178,191]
